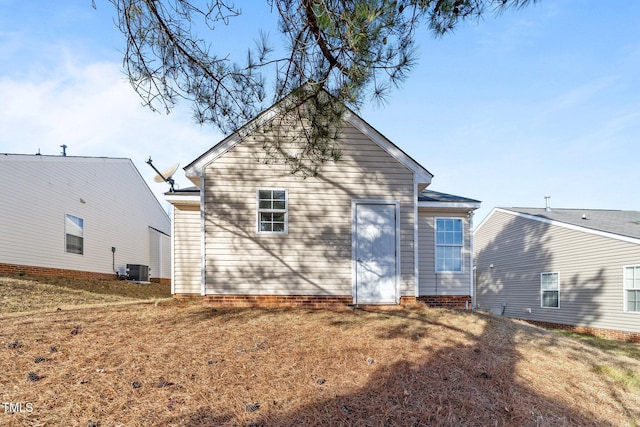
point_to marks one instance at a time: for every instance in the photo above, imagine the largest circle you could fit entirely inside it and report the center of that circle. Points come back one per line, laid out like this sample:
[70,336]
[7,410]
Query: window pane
[549,281]
[266,222]
[265,226]
[448,258]
[74,244]
[264,194]
[633,300]
[278,195]
[456,263]
[279,205]
[550,298]
[74,225]
[449,231]
[632,277]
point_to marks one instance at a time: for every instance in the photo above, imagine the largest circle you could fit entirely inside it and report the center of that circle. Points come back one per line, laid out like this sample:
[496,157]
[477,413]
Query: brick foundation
[30,270]
[602,333]
[446,301]
[308,301]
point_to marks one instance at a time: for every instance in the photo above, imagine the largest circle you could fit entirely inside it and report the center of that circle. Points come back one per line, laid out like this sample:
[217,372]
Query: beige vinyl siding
[111,197]
[590,271]
[441,283]
[187,274]
[315,256]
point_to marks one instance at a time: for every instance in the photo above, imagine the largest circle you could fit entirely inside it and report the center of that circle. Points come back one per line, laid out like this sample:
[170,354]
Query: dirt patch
[190,365]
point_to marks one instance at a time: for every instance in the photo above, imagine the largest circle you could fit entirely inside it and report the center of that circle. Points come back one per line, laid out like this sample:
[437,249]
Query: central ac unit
[138,272]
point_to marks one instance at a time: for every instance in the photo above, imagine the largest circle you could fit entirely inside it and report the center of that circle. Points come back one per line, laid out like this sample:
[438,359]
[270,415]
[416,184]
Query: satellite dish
[167,173]
[165,176]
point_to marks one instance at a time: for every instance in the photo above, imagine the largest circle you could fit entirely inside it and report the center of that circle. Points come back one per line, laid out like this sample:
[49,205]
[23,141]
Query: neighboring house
[571,268]
[364,231]
[80,217]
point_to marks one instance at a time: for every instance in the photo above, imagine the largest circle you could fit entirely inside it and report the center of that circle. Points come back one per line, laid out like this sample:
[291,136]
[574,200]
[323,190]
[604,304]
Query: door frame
[354,262]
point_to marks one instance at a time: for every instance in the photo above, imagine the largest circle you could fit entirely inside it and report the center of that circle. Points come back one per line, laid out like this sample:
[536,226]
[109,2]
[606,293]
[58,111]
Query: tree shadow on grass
[470,384]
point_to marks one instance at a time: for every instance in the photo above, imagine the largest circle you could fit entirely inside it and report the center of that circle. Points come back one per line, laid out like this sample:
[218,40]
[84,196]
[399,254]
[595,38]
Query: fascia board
[449,205]
[422,176]
[183,200]
[197,167]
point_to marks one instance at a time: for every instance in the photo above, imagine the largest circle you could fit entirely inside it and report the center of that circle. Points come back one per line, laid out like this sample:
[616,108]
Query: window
[550,290]
[632,288]
[449,244]
[74,234]
[272,211]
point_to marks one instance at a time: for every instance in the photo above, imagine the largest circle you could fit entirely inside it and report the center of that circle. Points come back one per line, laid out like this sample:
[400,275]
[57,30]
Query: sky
[543,101]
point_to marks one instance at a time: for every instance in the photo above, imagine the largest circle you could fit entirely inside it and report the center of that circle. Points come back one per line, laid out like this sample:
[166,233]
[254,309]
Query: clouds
[92,109]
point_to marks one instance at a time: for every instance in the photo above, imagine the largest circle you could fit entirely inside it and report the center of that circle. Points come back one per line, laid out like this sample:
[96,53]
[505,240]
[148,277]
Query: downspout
[472,288]
[203,258]
[416,251]
[173,250]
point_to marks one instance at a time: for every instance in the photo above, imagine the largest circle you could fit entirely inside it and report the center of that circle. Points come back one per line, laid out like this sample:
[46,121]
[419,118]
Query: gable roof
[196,167]
[434,199]
[623,225]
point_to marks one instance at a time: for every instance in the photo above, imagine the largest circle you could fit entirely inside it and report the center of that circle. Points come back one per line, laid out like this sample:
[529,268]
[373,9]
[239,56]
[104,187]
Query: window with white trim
[550,290]
[272,211]
[449,244]
[632,288]
[74,234]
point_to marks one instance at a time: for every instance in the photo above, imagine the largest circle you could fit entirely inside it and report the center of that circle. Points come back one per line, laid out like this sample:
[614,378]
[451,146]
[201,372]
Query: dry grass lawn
[184,364]
[19,294]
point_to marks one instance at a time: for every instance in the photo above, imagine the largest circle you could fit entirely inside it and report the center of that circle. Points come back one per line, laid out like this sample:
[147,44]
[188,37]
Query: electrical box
[138,272]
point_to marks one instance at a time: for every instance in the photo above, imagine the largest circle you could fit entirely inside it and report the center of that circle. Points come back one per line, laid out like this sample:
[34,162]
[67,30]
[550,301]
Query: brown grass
[19,294]
[183,364]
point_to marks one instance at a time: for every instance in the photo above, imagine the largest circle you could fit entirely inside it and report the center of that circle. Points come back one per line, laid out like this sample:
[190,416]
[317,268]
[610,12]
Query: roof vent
[546,202]
[584,216]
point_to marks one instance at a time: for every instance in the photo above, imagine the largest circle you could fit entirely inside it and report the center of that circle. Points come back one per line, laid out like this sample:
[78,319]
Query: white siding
[187,277]
[590,268]
[159,254]
[441,283]
[314,258]
[108,194]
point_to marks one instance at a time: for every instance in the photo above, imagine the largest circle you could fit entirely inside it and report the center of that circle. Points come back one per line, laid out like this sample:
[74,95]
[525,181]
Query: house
[83,217]
[365,230]
[569,268]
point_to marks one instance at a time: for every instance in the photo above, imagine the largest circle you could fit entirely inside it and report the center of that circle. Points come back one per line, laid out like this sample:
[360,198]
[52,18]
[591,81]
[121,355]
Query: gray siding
[430,282]
[108,194]
[590,271]
[187,275]
[315,257]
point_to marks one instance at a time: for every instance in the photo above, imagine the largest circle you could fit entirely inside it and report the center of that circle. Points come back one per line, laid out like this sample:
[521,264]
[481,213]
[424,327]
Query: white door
[375,253]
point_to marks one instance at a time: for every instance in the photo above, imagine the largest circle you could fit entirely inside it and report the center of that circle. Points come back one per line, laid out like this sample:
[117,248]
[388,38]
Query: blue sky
[539,102]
